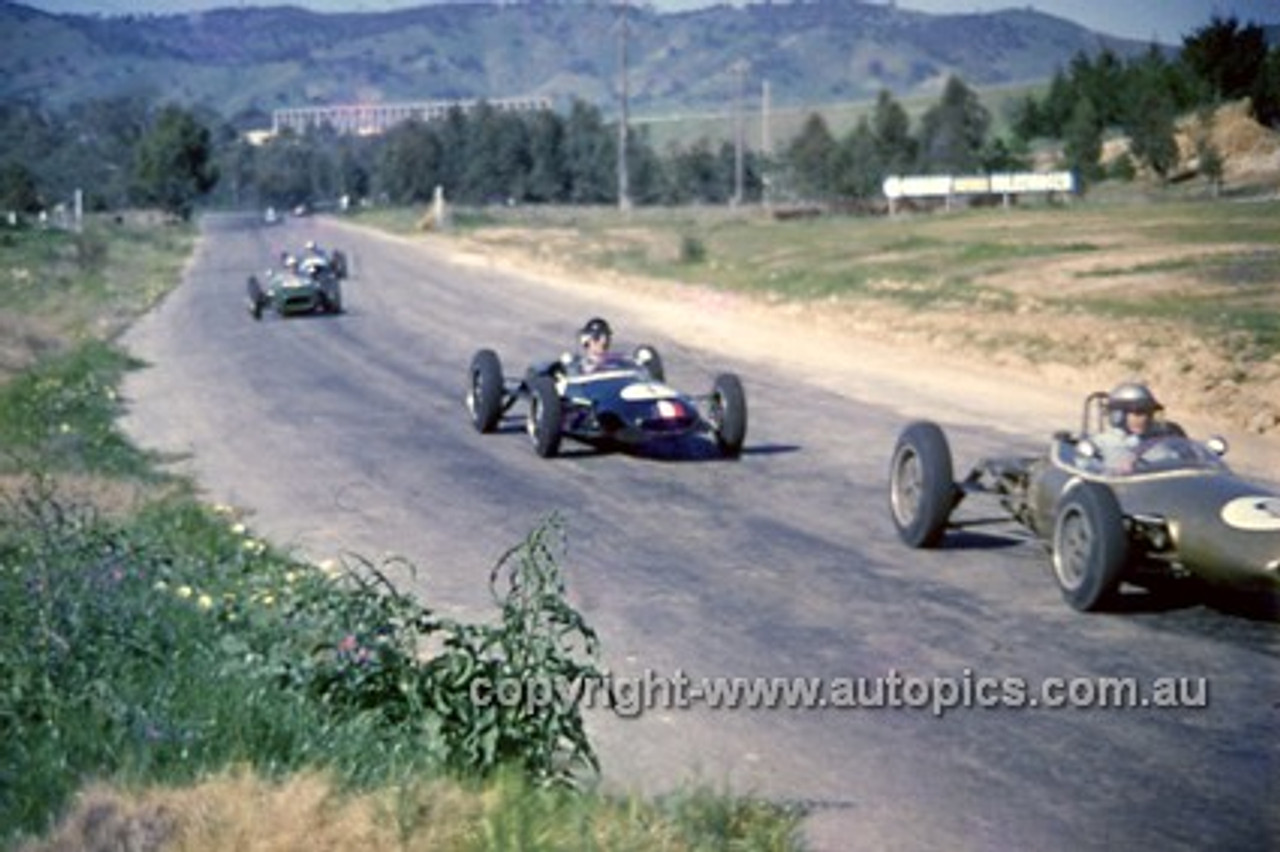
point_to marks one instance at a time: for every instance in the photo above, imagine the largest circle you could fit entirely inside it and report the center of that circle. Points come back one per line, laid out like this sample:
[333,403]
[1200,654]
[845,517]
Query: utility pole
[624,191]
[740,69]
[766,143]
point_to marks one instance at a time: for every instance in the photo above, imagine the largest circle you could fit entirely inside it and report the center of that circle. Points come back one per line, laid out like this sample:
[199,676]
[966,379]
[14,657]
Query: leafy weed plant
[176,644]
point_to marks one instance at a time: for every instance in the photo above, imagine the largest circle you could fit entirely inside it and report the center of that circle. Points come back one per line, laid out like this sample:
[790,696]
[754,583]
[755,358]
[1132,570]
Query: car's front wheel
[484,390]
[1090,546]
[544,416]
[257,299]
[728,414]
[922,489]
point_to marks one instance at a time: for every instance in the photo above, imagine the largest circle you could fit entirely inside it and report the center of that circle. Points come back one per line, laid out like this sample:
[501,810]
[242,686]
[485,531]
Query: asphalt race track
[348,434]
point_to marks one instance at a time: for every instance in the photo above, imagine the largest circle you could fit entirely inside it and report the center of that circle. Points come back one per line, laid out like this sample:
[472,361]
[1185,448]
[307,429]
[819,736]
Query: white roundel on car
[1255,514]
[646,392]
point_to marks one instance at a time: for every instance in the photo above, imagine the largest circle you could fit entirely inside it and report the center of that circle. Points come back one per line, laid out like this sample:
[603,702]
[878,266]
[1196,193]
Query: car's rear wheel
[339,262]
[922,489]
[648,358]
[257,299]
[544,416]
[728,414]
[1090,546]
[484,390]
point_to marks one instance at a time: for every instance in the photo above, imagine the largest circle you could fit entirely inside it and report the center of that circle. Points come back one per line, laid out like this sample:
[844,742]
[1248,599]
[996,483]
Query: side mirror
[1217,445]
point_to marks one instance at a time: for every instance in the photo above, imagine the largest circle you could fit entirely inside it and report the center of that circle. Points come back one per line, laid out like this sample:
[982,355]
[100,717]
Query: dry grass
[237,811]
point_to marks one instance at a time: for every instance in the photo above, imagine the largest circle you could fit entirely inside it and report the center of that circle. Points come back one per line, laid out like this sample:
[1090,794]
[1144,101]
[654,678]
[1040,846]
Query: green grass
[60,416]
[937,262]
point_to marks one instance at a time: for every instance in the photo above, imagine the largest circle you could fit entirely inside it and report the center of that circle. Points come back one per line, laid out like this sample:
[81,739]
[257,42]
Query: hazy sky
[1161,20]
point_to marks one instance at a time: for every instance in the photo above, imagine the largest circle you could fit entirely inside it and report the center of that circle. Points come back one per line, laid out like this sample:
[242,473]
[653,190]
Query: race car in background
[1177,511]
[305,284]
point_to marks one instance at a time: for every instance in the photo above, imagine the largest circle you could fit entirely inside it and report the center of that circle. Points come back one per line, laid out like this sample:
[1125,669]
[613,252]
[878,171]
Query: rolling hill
[247,61]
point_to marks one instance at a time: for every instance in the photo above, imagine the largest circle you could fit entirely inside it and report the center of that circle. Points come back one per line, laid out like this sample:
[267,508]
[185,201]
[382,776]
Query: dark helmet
[594,328]
[1131,397]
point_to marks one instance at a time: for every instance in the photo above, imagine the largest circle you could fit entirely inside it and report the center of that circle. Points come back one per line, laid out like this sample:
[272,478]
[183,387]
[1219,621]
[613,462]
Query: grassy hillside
[237,60]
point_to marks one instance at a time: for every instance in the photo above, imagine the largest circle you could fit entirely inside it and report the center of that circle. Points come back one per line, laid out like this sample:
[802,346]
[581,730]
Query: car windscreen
[1162,454]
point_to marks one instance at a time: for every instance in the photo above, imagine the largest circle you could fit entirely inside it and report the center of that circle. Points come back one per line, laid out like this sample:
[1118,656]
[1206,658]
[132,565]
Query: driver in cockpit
[1132,425]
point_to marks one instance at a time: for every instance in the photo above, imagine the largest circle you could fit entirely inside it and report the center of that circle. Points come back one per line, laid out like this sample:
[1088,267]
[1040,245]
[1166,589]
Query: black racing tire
[922,488]
[1090,546]
[333,298]
[648,358]
[545,416]
[728,414]
[257,299]
[338,261]
[484,390]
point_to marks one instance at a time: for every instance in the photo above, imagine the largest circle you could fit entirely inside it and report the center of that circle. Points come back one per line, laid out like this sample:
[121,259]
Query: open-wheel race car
[311,283]
[1164,507]
[621,400]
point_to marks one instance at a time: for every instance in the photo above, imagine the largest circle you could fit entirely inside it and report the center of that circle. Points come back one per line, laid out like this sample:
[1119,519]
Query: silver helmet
[1131,397]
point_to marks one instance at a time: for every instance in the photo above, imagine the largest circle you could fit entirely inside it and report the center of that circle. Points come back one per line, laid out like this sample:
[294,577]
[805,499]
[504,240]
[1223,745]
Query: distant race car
[1178,511]
[623,401]
[311,283]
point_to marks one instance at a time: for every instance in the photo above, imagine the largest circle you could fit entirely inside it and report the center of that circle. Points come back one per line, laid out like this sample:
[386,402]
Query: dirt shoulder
[917,362]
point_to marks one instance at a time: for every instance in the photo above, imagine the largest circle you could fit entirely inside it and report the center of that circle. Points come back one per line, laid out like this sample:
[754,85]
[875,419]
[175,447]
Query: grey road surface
[348,434]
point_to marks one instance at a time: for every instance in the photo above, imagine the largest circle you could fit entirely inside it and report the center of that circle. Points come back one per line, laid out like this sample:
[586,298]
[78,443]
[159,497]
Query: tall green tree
[895,148]
[811,156]
[695,175]
[547,180]
[1227,56]
[1266,90]
[18,190]
[1082,143]
[860,171]
[953,132]
[174,165]
[590,156]
[410,164]
[1151,121]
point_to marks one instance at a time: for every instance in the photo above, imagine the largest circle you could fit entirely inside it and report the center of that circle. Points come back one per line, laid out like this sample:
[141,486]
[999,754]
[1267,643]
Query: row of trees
[126,151]
[121,151]
[1143,98]
[1096,96]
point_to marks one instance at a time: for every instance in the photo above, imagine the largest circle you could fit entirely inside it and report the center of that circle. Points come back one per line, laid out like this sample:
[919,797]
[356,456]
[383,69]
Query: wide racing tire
[333,297]
[728,414]
[1090,546]
[257,298]
[484,390]
[922,488]
[545,415]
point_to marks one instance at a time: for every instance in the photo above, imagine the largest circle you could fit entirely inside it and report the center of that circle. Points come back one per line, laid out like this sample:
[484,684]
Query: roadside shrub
[173,644]
[91,250]
[692,250]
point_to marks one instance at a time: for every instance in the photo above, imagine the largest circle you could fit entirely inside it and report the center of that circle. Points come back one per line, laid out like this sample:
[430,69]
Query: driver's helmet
[595,329]
[311,245]
[1130,397]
